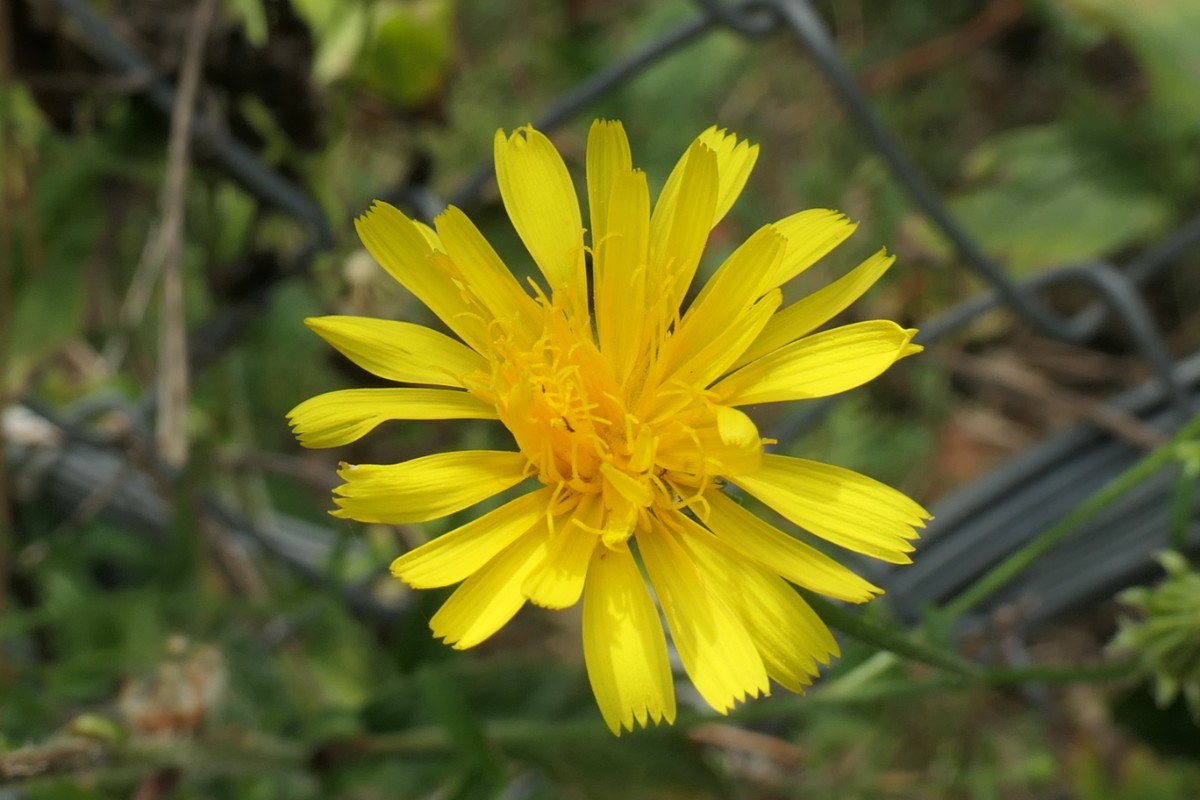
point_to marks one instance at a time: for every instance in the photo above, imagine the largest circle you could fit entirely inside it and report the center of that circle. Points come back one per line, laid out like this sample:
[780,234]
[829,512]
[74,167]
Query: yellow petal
[485,276]
[425,488]
[811,234]
[457,555]
[791,639]
[487,600]
[840,505]
[729,445]
[541,202]
[429,233]
[714,646]
[607,157]
[632,489]
[403,248]
[623,644]
[620,269]
[738,282]
[820,365]
[337,418]
[715,355]
[736,429]
[680,225]
[800,563]
[399,351]
[725,298]
[558,581]
[813,311]
[735,160]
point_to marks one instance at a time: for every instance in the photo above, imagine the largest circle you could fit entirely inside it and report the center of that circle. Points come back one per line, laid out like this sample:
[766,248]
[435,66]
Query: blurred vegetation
[1059,131]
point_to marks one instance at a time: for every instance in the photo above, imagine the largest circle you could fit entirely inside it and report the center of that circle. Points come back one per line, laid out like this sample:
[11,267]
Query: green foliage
[401,50]
[409,54]
[1048,196]
[1138,775]
[1166,640]
[1162,35]
[48,306]
[253,19]
[323,703]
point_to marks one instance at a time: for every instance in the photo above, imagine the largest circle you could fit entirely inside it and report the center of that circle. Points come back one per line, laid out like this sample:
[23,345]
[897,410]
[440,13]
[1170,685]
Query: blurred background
[180,618]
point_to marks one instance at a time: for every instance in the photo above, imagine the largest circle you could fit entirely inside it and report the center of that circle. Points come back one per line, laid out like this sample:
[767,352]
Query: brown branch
[88,82]
[996,18]
[740,740]
[67,756]
[171,429]
[137,299]
[78,756]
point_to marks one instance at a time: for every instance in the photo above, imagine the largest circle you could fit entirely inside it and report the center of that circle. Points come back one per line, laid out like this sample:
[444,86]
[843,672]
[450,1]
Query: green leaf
[254,19]
[637,764]
[409,56]
[462,724]
[402,50]
[46,313]
[100,728]
[1164,35]
[1048,196]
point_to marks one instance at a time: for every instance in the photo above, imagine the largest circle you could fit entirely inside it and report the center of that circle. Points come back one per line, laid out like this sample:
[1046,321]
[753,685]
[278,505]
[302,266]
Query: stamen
[561,402]
[658,482]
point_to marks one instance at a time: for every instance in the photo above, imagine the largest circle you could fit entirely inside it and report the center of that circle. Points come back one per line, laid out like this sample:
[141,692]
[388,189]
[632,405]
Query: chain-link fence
[57,457]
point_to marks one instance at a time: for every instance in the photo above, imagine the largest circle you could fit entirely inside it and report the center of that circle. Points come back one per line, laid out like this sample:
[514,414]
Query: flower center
[571,419]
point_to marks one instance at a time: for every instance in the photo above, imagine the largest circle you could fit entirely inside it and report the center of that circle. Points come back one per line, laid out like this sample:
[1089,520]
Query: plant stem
[1016,563]
[859,627]
[1049,673]
[1183,496]
[82,755]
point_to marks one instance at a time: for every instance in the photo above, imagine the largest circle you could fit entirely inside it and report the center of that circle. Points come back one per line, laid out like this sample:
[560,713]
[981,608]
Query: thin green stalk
[1050,673]
[1183,496]
[830,696]
[887,638]
[1016,563]
[847,690]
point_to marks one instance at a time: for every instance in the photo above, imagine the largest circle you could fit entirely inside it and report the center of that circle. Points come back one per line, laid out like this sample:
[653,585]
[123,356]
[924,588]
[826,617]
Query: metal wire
[593,88]
[808,28]
[974,527]
[982,522]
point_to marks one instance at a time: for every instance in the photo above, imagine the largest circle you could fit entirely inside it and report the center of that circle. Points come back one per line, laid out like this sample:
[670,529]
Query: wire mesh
[974,527]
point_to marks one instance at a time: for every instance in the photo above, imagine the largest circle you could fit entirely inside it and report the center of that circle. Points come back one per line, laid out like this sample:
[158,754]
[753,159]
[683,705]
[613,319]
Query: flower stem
[876,688]
[1183,497]
[1050,673]
[859,627]
[1016,563]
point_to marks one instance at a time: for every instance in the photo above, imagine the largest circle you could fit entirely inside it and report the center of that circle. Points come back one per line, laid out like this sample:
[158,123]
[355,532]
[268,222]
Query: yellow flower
[626,410]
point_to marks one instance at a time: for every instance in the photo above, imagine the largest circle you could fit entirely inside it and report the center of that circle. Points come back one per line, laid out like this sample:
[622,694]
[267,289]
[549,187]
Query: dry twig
[171,432]
[66,756]
[996,18]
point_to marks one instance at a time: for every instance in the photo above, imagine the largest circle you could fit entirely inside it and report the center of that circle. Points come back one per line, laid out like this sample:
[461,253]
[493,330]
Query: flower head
[625,406]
